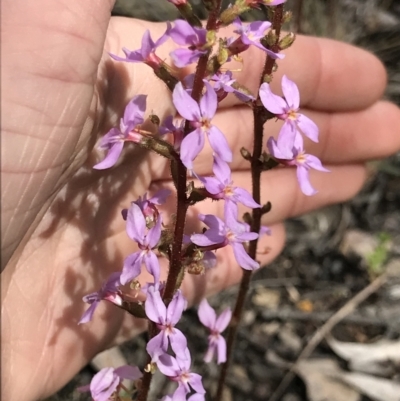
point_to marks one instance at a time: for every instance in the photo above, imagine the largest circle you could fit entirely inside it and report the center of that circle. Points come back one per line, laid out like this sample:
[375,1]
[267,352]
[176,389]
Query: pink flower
[166,317]
[287,109]
[216,343]
[109,291]
[146,54]
[108,380]
[232,233]
[200,115]
[114,140]
[297,157]
[147,240]
[186,35]
[178,370]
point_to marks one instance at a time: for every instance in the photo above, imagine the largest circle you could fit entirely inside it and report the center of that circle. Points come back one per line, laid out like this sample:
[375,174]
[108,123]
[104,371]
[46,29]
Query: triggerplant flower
[109,291]
[251,34]
[231,233]
[149,206]
[165,317]
[114,140]
[146,54]
[147,240]
[287,110]
[200,116]
[186,35]
[108,380]
[178,370]
[216,343]
[297,158]
[224,84]
[221,186]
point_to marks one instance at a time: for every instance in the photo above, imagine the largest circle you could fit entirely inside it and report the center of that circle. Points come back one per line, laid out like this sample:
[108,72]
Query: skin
[62,233]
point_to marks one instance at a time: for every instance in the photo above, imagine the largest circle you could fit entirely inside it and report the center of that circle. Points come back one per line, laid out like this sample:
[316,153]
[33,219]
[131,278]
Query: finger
[330,75]
[345,137]
[281,188]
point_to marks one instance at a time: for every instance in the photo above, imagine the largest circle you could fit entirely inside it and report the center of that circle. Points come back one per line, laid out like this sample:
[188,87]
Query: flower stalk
[260,117]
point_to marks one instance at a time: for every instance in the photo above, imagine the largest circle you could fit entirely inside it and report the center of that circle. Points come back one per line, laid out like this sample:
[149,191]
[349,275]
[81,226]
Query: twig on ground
[319,335]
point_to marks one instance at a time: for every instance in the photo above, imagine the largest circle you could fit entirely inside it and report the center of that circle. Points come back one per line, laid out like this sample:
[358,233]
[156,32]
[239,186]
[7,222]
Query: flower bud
[210,5]
[231,13]
[287,41]
[287,16]
[154,119]
[211,38]
[245,154]
[267,78]
[270,39]
[187,12]
[266,208]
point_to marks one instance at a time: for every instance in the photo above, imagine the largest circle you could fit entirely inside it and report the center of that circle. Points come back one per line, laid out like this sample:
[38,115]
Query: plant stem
[260,117]
[181,207]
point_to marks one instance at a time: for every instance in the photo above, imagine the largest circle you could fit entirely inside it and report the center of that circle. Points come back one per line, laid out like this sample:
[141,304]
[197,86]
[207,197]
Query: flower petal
[176,308]
[219,144]
[128,372]
[315,163]
[221,170]
[273,103]
[185,104]
[221,349]
[112,156]
[223,320]
[206,314]
[136,223]
[155,308]
[152,265]
[291,93]
[88,314]
[132,267]
[308,127]
[208,102]
[304,181]
[245,198]
[154,234]
[243,259]
[134,111]
[191,146]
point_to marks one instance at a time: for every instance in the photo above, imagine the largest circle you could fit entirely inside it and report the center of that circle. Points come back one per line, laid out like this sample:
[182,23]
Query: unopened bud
[187,12]
[247,218]
[267,78]
[287,16]
[134,285]
[245,153]
[287,41]
[231,13]
[210,5]
[270,39]
[223,53]
[211,38]
[154,119]
[266,208]
[150,368]
[164,74]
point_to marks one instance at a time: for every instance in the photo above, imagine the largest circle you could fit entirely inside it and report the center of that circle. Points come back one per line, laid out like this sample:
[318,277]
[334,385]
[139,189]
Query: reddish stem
[182,205]
[260,117]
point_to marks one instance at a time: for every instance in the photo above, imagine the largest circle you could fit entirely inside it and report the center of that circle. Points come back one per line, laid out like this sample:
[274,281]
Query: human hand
[61,92]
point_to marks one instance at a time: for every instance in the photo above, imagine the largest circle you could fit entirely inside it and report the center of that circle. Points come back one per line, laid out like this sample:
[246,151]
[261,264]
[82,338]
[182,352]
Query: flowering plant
[157,236]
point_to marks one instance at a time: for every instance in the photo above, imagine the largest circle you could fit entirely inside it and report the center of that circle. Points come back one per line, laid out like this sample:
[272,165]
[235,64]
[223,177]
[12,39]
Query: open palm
[62,231]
